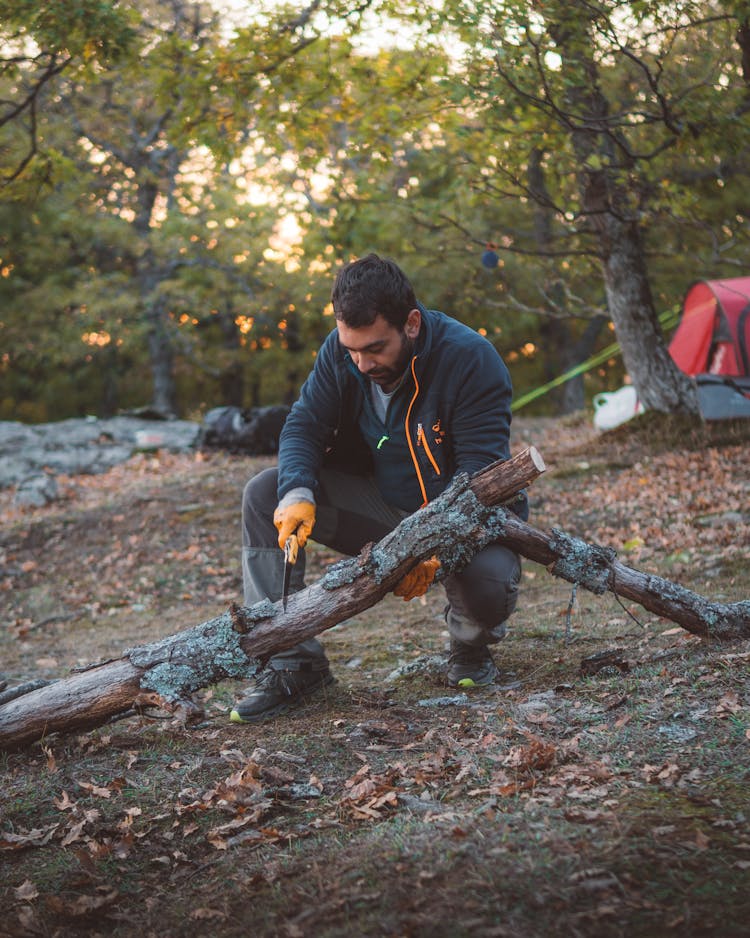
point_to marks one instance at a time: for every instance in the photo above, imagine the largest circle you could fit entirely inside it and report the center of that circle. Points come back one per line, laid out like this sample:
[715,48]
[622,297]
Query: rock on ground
[32,455]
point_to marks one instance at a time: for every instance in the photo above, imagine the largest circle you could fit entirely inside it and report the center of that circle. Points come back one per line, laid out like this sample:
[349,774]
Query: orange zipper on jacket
[420,437]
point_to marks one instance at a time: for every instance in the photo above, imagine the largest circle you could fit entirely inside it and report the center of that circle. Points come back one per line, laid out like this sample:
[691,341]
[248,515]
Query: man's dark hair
[370,286]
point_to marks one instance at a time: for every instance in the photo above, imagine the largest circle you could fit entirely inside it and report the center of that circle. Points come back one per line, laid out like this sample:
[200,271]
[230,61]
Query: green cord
[667,320]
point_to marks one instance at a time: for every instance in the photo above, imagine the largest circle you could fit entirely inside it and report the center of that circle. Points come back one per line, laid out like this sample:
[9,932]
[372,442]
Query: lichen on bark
[453,527]
[179,665]
[589,565]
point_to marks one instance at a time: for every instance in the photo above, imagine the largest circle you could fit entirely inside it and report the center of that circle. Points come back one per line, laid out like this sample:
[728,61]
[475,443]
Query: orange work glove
[298,519]
[416,581]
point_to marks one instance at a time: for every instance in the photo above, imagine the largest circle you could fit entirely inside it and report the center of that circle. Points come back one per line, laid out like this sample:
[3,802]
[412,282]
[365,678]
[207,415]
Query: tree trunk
[558,346]
[660,383]
[231,365]
[161,354]
[612,213]
[454,526]
[573,397]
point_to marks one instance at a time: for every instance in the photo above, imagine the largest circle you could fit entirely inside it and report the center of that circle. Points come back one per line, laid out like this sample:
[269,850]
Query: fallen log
[233,645]
[465,518]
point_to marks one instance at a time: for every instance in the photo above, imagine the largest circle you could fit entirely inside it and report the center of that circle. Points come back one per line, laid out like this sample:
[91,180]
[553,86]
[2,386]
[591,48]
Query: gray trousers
[351,512]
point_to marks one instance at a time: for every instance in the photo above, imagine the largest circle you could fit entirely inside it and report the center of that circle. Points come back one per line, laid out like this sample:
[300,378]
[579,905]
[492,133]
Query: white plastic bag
[611,408]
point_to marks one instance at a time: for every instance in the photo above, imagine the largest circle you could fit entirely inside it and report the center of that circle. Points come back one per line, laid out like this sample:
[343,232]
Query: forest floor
[558,802]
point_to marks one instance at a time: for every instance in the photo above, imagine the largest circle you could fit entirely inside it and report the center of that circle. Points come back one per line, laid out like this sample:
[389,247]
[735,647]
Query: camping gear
[254,430]
[721,398]
[615,407]
[712,344]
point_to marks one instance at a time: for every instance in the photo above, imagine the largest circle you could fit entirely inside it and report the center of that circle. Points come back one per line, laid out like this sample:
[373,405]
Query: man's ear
[413,324]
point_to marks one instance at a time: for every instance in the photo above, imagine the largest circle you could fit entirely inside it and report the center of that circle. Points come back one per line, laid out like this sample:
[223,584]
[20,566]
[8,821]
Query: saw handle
[291,548]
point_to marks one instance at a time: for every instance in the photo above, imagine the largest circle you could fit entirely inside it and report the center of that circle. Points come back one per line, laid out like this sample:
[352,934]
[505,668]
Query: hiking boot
[276,691]
[470,666]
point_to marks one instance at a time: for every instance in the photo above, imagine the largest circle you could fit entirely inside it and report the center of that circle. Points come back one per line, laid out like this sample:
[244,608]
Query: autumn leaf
[64,802]
[51,763]
[358,776]
[99,790]
[33,838]
[273,775]
[589,815]
[512,788]
[702,841]
[206,915]
[537,754]
[728,705]
[665,775]
[73,834]
[26,891]
[82,906]
[361,790]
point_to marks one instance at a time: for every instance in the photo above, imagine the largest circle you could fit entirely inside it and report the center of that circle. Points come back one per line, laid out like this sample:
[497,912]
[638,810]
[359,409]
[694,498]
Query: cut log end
[503,479]
[535,457]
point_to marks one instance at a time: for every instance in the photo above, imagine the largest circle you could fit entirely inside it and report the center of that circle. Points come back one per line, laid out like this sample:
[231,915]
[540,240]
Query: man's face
[381,351]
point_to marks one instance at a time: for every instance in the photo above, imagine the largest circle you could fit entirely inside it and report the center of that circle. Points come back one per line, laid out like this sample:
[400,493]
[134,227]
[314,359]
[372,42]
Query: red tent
[713,336]
[712,343]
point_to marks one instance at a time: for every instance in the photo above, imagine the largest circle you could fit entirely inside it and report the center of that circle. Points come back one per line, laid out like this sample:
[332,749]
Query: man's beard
[388,378]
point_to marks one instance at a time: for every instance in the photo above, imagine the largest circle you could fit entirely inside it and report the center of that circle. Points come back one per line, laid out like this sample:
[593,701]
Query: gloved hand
[298,519]
[416,581]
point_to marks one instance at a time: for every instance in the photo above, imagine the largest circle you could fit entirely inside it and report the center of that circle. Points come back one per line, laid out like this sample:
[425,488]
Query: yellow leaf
[633,543]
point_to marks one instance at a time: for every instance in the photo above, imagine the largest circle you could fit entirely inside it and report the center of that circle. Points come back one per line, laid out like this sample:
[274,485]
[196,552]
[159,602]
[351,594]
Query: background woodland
[181,181]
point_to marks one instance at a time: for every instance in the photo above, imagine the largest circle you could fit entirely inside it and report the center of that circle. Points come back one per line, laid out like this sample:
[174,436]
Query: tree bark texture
[611,211]
[464,519]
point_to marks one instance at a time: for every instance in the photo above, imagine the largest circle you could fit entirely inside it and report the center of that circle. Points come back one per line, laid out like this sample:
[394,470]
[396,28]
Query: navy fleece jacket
[451,414]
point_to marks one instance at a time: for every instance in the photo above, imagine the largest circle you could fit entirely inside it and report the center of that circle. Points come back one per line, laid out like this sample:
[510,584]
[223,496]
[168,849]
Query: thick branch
[230,646]
[455,526]
[597,569]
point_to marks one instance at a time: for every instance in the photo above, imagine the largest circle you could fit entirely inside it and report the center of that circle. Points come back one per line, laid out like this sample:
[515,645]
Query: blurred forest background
[181,181]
